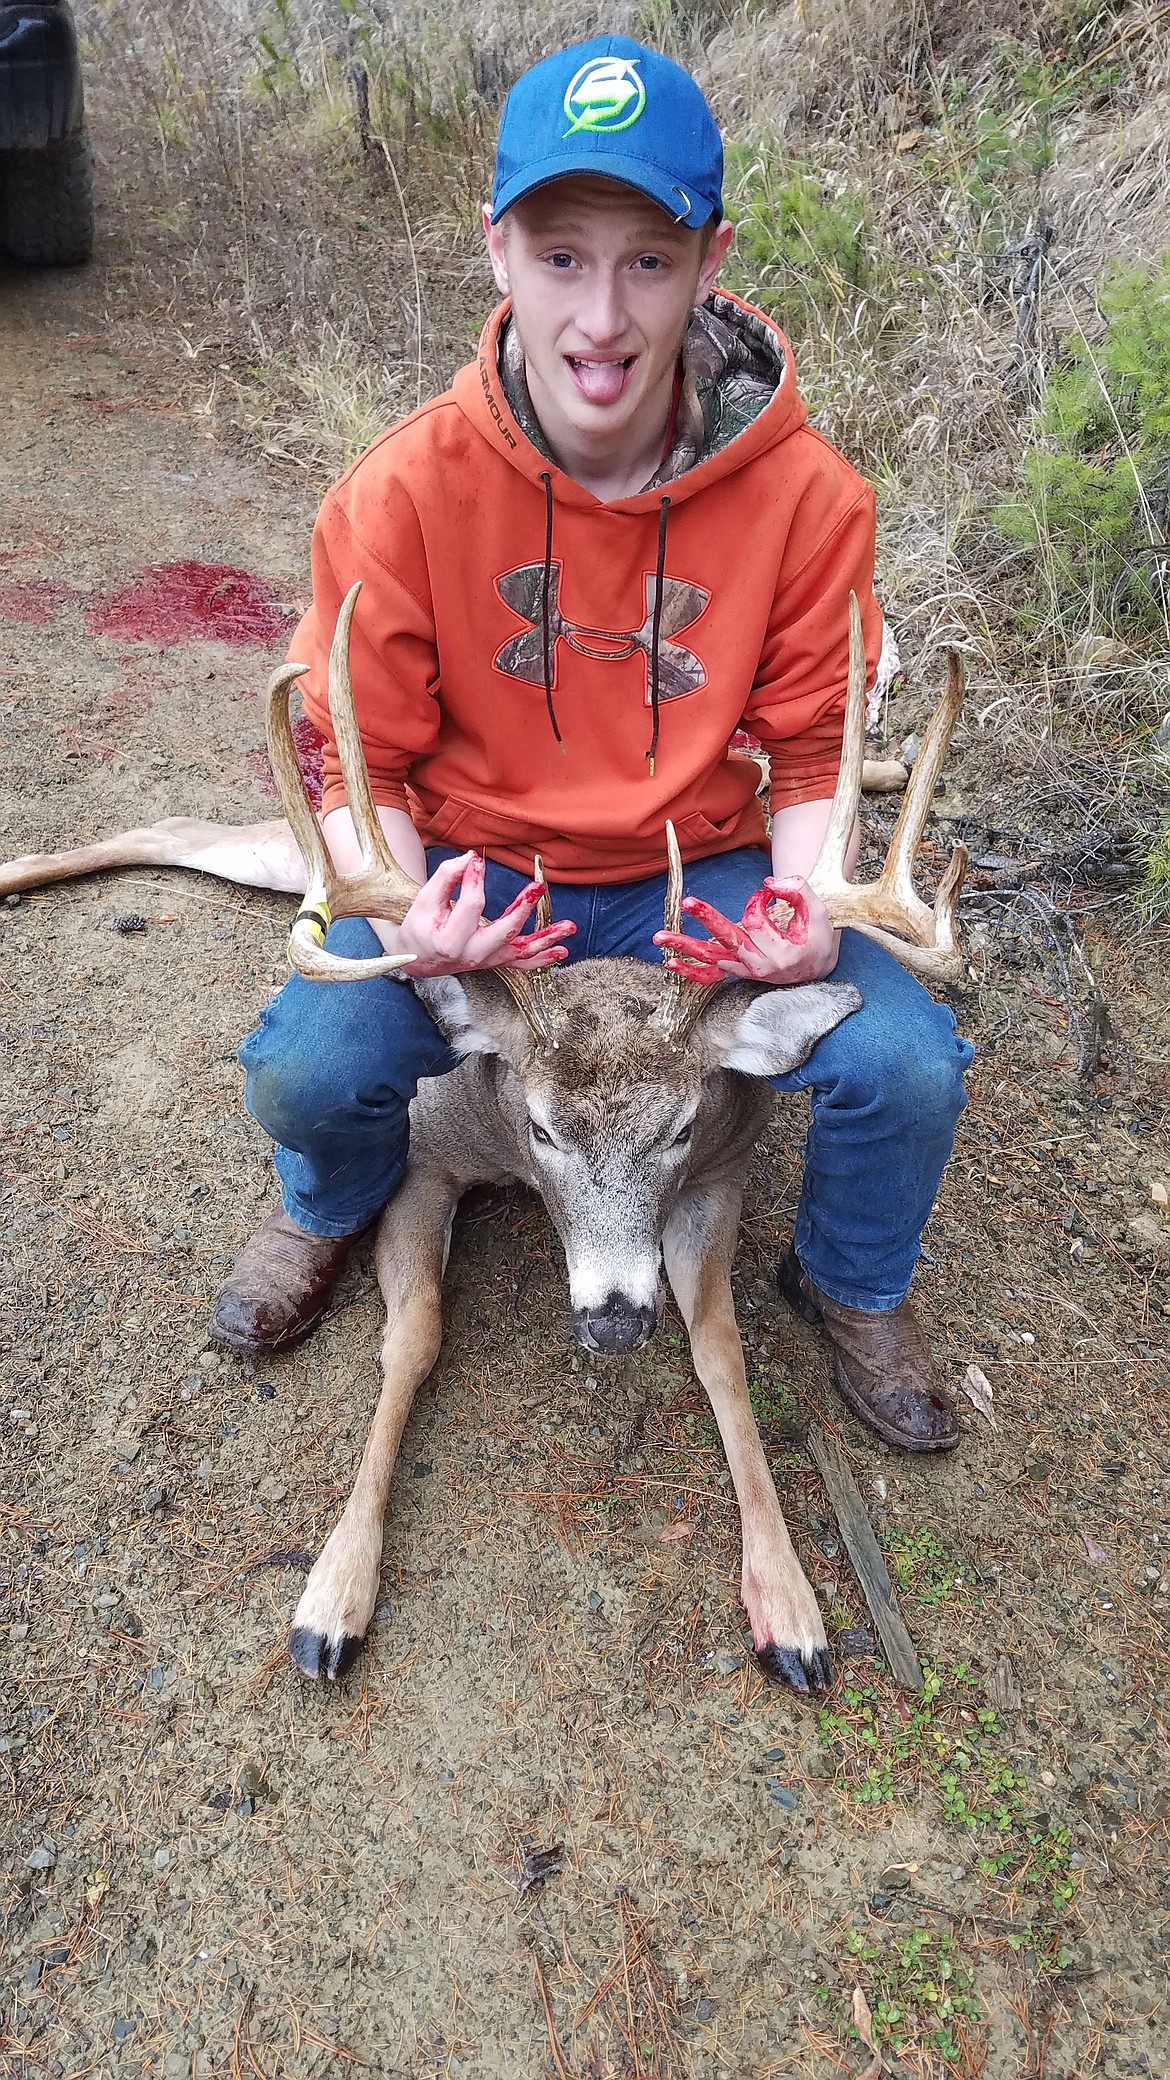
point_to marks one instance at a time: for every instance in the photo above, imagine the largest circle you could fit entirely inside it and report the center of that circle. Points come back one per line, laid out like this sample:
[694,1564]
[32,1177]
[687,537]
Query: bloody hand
[448,935]
[784,936]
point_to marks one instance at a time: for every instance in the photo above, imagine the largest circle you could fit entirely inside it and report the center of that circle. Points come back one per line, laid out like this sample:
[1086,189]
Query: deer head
[610,1124]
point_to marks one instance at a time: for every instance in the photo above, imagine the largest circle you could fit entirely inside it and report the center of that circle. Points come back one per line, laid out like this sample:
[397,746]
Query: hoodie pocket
[450,821]
[697,831]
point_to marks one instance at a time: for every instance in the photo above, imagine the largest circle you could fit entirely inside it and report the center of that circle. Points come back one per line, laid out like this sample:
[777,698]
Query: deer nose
[617,1325]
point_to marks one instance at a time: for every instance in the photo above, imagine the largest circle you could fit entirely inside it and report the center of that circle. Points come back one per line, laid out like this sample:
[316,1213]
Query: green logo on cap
[604,95]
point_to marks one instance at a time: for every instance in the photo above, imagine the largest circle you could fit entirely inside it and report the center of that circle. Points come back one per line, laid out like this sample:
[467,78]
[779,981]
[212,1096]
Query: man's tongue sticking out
[601,382]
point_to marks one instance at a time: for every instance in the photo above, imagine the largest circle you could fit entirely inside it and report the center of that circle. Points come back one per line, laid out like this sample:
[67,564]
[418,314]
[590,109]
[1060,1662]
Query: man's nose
[602,315]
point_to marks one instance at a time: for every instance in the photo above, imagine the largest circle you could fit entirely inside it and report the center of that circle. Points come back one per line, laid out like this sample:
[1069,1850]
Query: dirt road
[212,1868]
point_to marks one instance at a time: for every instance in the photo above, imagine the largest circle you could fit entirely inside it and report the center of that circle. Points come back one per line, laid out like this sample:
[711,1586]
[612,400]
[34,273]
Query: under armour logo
[679,670]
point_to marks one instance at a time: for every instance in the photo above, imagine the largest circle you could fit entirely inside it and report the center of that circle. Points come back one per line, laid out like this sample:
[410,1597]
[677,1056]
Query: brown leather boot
[882,1368]
[280,1286]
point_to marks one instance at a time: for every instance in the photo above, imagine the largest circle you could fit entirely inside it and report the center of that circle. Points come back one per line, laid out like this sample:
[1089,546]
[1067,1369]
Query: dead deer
[628,1097]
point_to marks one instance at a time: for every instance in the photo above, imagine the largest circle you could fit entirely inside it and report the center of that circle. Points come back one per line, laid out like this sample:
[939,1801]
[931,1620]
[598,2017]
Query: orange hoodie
[503,645]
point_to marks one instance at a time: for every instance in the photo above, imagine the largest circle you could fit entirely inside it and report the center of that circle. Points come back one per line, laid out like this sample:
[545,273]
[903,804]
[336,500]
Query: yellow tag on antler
[318,917]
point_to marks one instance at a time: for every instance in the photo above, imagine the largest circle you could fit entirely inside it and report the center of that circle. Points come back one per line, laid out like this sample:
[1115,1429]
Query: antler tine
[382,889]
[378,860]
[682,1000]
[897,874]
[890,910]
[534,993]
[289,778]
[828,875]
[542,916]
[674,881]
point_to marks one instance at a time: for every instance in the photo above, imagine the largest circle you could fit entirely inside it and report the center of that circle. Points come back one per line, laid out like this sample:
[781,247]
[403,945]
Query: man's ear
[497,251]
[713,258]
[771,1031]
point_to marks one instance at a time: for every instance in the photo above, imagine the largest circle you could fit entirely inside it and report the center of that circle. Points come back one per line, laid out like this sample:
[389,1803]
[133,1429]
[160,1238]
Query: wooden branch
[868,1565]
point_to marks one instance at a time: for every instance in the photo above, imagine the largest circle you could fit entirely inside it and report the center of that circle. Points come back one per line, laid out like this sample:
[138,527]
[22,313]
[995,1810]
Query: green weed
[993,147]
[919,1988]
[702,1431]
[1157,877]
[946,1742]
[772,1400]
[919,1562]
[278,74]
[1096,504]
[801,240]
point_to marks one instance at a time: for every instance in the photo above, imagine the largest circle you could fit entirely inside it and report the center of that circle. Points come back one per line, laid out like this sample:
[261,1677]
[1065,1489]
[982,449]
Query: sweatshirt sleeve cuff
[386,796]
[790,788]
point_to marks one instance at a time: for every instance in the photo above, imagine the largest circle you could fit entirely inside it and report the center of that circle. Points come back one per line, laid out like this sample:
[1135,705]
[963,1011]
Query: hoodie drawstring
[546,636]
[659,568]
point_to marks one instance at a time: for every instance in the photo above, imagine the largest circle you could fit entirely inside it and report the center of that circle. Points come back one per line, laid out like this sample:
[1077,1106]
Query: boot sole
[258,1347]
[886,1431]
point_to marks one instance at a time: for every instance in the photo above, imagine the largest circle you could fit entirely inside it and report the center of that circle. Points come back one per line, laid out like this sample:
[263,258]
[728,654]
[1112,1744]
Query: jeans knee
[913,1078]
[923,1084]
[281,1096]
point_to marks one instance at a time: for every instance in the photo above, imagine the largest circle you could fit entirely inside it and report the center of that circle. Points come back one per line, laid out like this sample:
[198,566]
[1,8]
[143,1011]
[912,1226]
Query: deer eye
[541,1135]
[684,1135]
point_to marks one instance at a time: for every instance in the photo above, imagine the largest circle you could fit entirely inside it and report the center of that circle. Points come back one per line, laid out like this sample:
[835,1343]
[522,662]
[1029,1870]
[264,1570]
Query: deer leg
[335,1610]
[255,855]
[787,1629]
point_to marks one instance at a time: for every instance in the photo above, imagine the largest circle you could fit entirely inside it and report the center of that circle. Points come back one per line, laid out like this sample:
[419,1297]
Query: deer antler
[534,994]
[382,888]
[889,909]
[682,1000]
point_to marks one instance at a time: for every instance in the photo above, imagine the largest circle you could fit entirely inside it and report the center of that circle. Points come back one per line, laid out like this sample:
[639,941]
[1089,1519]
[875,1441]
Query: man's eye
[561,260]
[649,263]
[540,1135]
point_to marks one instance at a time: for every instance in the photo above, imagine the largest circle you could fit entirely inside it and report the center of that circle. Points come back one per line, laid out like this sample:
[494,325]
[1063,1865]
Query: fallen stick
[868,1565]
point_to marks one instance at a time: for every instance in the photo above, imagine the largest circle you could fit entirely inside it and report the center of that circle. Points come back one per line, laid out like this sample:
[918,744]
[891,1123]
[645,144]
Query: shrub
[1097,501]
[800,244]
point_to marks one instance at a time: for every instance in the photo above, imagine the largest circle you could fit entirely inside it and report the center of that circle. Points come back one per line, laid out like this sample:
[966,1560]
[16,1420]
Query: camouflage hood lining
[732,367]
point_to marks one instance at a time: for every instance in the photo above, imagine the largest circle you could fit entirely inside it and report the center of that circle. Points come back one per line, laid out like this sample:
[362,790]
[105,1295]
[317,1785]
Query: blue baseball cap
[612,107]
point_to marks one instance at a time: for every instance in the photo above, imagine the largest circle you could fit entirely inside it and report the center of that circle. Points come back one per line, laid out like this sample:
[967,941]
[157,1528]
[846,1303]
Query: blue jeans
[332,1068]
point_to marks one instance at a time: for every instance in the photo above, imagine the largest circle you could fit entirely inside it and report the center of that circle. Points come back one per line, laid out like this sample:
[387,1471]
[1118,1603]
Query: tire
[46,204]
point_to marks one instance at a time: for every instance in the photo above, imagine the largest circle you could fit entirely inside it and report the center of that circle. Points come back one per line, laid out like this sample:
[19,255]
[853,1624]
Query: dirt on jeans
[211,1867]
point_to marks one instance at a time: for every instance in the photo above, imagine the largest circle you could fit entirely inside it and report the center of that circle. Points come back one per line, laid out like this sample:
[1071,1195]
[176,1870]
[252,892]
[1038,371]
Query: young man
[613,543]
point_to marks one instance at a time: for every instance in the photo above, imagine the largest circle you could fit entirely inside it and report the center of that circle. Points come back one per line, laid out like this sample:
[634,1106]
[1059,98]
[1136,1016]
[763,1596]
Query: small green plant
[919,1562]
[801,241]
[947,1743]
[991,150]
[1157,877]
[702,1431]
[276,40]
[919,1988]
[771,1399]
[1096,505]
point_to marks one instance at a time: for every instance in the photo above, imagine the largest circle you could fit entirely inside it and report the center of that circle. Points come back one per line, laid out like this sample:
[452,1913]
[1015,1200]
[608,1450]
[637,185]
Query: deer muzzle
[618,1324]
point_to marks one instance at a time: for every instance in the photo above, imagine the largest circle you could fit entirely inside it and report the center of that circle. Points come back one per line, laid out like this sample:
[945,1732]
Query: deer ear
[774,1030]
[475,1016]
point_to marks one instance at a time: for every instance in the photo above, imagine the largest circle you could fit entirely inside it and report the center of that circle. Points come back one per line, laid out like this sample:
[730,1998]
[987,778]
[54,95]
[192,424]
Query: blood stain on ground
[34,600]
[183,602]
[310,747]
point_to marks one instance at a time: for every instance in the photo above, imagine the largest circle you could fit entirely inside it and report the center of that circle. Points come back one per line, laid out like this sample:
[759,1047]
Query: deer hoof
[316,1655]
[800,1671]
